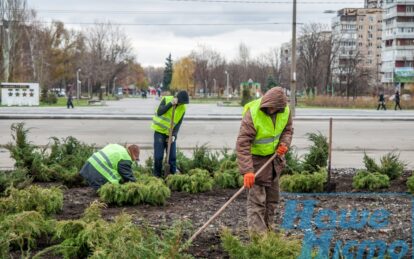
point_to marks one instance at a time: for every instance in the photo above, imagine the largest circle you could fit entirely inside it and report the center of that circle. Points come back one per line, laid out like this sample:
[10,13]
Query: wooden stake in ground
[228,202]
[330,187]
[167,158]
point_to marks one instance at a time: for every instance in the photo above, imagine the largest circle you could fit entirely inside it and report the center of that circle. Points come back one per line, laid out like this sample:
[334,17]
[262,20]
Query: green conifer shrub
[197,180]
[269,245]
[304,182]
[364,180]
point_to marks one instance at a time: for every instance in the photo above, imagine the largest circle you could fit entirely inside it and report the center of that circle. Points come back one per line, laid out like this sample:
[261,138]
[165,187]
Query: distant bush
[268,245]
[365,180]
[304,182]
[44,200]
[198,180]
[390,165]
[147,189]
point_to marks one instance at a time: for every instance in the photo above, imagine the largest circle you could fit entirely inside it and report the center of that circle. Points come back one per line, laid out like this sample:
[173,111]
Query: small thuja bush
[184,164]
[21,150]
[269,245]
[230,178]
[203,158]
[21,231]
[44,200]
[147,189]
[17,178]
[390,165]
[364,180]
[318,153]
[410,184]
[197,180]
[293,163]
[304,182]
[63,163]
[93,237]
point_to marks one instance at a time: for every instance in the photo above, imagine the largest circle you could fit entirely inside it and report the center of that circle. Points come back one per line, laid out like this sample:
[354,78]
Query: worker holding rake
[166,123]
[266,129]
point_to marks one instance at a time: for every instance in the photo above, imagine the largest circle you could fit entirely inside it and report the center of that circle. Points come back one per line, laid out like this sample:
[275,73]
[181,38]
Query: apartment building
[357,36]
[398,44]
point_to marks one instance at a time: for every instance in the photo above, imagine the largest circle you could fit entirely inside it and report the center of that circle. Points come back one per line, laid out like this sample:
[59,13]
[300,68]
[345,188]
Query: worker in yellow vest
[266,128]
[113,164]
[161,123]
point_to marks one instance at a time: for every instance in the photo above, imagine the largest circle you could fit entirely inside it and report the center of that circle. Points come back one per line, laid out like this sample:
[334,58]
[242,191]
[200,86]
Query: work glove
[249,180]
[174,101]
[282,149]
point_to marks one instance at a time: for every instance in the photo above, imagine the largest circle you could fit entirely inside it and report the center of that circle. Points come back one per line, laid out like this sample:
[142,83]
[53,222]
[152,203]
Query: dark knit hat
[182,97]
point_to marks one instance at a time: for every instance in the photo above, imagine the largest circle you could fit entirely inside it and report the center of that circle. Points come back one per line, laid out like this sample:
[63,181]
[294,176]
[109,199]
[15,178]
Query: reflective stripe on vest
[162,123]
[106,160]
[267,132]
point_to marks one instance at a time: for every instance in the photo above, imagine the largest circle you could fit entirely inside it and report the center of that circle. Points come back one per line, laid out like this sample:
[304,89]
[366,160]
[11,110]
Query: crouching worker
[266,129]
[113,164]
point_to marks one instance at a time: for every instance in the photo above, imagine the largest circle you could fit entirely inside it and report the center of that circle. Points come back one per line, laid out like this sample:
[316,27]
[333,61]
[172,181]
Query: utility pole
[293,64]
[214,88]
[78,84]
[227,74]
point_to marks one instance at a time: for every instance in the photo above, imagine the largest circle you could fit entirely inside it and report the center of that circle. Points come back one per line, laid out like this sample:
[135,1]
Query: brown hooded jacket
[275,98]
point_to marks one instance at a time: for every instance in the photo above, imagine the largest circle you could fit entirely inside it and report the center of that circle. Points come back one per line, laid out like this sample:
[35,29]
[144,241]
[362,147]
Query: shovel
[228,202]
[167,158]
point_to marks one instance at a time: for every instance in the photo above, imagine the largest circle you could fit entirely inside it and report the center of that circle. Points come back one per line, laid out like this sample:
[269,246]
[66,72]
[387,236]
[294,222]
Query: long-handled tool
[228,202]
[330,186]
[167,158]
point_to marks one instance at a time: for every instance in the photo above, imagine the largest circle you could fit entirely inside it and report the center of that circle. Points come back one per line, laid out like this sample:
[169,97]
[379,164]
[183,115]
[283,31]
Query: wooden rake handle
[167,158]
[228,202]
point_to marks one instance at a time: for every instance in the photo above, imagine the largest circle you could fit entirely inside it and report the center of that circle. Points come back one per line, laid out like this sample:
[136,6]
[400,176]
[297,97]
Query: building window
[371,19]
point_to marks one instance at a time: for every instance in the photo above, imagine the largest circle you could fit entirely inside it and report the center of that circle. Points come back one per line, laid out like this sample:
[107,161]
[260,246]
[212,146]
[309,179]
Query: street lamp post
[78,83]
[113,89]
[214,88]
[227,85]
[293,63]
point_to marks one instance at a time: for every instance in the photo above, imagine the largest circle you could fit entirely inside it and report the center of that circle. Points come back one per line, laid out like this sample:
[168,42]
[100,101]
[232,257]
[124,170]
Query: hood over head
[275,98]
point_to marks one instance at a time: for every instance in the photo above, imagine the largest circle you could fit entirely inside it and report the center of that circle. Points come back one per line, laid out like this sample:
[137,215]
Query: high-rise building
[357,36]
[373,3]
[398,43]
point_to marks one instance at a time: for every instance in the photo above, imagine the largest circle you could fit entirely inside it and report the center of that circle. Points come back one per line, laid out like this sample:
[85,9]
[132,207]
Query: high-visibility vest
[162,123]
[106,160]
[267,133]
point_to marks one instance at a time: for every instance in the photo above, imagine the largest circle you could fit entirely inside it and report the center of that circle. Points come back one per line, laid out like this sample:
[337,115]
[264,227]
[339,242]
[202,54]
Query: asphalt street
[350,138]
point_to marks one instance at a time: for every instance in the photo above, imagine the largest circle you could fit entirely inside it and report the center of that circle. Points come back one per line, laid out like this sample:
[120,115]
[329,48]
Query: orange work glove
[282,149]
[249,180]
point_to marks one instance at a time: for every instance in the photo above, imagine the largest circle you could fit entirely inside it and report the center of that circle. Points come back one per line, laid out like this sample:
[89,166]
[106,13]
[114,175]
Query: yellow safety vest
[162,123]
[106,160]
[267,133]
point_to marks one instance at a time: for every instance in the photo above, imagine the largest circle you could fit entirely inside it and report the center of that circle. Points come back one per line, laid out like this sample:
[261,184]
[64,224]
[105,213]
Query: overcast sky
[153,41]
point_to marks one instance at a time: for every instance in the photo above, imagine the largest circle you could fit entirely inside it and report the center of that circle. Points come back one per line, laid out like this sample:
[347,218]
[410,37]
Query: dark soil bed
[197,208]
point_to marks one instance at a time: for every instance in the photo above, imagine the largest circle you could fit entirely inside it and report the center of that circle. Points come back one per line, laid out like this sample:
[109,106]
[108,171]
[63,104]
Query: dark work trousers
[69,104]
[160,146]
[381,105]
[397,104]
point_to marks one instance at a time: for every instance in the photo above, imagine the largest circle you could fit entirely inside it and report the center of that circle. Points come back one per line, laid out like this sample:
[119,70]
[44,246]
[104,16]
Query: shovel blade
[166,169]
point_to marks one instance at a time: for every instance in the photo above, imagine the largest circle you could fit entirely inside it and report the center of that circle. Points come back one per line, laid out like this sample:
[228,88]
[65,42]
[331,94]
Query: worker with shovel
[166,123]
[266,129]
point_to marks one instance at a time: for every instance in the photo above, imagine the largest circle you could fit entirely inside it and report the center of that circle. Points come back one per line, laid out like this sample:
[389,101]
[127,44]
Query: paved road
[350,139]
[143,109]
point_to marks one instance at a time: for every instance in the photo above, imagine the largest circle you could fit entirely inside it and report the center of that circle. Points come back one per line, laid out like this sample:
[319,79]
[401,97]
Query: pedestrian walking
[161,123]
[69,102]
[397,100]
[266,128]
[381,102]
